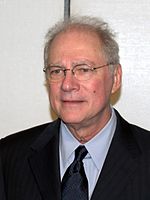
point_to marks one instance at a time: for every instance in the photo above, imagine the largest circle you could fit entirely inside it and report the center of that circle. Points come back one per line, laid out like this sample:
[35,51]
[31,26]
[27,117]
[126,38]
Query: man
[82,72]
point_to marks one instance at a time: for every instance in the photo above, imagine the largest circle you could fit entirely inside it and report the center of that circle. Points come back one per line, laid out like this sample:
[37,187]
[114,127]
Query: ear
[117,76]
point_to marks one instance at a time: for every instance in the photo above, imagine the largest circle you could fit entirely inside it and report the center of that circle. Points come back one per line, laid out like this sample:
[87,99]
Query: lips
[72,102]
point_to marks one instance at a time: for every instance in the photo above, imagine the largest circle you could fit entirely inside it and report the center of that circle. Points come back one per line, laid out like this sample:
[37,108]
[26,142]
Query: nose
[69,83]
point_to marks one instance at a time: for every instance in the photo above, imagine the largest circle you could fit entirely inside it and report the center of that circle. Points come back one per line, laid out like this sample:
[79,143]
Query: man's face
[80,102]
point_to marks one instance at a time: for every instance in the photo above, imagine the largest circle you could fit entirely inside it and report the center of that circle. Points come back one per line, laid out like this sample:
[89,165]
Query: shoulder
[140,135]
[24,135]
[25,138]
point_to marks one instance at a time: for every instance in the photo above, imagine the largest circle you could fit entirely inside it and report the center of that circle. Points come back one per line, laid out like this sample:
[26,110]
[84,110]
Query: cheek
[54,89]
[53,93]
[96,93]
[99,92]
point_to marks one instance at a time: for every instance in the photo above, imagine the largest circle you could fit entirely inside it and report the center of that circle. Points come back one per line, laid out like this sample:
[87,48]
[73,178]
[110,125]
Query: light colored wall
[23,24]
[23,98]
[131,21]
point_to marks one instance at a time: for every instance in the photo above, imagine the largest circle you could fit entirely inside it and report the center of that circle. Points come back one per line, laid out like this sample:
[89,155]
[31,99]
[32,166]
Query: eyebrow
[54,65]
[84,61]
[77,62]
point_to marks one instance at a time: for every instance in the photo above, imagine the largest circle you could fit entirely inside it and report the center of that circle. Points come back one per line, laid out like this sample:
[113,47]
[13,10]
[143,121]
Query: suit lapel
[44,162]
[120,164]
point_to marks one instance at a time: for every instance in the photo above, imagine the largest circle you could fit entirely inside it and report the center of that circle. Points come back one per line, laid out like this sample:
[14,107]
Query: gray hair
[107,37]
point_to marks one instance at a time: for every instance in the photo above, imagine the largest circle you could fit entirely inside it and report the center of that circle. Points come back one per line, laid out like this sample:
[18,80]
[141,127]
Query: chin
[72,116]
[71,120]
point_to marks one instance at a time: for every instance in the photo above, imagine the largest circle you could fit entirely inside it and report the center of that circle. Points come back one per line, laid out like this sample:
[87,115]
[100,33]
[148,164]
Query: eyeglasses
[81,72]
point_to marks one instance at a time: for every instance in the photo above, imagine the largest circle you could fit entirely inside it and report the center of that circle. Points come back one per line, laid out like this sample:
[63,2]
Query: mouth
[72,102]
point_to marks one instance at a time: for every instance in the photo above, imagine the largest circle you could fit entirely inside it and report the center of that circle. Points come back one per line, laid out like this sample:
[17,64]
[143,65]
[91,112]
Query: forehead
[73,34]
[76,41]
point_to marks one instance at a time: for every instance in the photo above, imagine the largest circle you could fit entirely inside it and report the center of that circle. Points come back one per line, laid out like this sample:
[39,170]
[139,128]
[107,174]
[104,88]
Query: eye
[83,69]
[54,71]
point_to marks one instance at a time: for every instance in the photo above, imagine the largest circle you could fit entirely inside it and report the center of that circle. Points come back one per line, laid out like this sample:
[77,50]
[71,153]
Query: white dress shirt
[97,150]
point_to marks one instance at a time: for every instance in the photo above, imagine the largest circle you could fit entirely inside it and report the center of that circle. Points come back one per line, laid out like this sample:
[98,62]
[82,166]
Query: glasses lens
[55,73]
[83,72]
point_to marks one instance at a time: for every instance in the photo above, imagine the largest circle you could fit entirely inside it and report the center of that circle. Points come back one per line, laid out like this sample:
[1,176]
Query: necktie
[74,182]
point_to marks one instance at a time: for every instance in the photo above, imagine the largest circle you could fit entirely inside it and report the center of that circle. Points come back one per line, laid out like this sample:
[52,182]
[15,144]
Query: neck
[85,131]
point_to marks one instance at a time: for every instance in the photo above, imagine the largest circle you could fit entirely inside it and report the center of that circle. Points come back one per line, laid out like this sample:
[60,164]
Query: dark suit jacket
[29,165]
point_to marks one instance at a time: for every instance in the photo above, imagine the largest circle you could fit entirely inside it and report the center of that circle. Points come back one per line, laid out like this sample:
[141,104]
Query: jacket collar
[120,164]
[44,162]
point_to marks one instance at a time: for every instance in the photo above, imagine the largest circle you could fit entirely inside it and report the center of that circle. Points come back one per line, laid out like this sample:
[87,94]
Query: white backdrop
[23,24]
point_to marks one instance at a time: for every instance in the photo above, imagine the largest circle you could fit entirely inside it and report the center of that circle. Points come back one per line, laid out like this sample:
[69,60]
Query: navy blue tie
[74,182]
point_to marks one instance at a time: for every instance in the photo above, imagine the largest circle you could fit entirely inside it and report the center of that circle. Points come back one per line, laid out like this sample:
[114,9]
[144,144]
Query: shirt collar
[68,143]
[97,147]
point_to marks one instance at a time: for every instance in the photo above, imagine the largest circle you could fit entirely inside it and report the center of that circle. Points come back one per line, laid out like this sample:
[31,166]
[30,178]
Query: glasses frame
[72,70]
